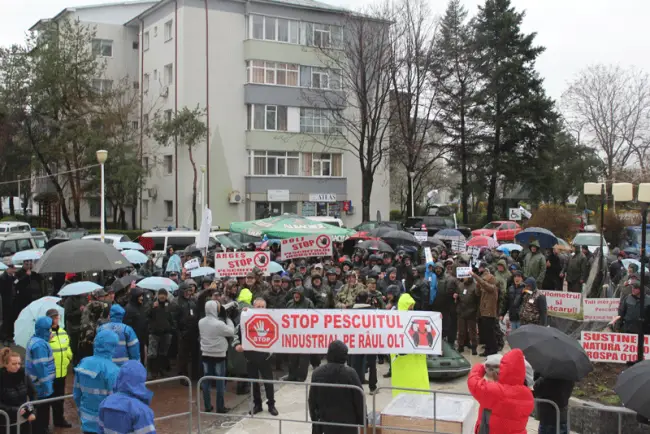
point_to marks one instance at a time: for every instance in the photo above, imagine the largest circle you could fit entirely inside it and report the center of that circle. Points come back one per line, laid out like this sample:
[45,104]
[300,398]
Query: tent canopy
[287,226]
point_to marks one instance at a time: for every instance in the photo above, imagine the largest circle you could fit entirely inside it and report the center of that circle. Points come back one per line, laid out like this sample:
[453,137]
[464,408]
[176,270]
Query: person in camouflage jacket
[533,304]
[94,314]
[348,294]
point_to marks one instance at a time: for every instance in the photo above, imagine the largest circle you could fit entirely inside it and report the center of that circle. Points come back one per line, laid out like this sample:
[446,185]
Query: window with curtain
[258,27]
[322,164]
[268,117]
[261,72]
[274,163]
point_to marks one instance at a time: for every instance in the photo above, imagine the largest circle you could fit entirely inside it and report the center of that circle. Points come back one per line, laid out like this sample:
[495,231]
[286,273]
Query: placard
[612,347]
[300,331]
[463,272]
[514,214]
[238,264]
[192,264]
[306,247]
[599,309]
[459,246]
[562,302]
[421,235]
[428,257]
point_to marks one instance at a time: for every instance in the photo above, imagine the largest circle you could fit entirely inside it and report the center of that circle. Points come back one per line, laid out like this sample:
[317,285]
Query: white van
[329,220]
[15,227]
[108,238]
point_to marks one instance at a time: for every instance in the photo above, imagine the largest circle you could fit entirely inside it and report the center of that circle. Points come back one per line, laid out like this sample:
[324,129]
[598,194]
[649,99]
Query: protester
[348,294]
[298,363]
[9,314]
[576,272]
[135,316]
[128,347]
[60,344]
[73,309]
[161,327]
[186,320]
[488,288]
[552,279]
[336,405]
[535,263]
[533,304]
[467,298]
[513,299]
[28,285]
[363,362]
[16,388]
[95,379]
[629,310]
[558,391]
[39,365]
[93,315]
[420,289]
[127,409]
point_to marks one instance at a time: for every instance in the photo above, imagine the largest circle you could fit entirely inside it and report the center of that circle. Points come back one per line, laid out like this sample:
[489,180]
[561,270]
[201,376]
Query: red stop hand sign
[261,331]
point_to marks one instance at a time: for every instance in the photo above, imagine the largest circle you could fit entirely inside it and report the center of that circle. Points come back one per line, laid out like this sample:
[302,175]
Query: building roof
[99,5]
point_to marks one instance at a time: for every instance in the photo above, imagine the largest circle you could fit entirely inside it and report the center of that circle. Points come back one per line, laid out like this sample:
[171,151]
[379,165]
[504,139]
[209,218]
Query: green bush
[557,219]
[395,215]
[15,218]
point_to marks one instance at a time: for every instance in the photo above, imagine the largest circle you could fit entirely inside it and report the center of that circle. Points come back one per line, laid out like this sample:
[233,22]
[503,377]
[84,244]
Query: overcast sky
[576,33]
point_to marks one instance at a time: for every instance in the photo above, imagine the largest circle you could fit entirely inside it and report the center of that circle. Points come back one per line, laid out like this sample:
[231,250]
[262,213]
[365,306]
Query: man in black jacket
[512,301]
[7,295]
[161,327]
[136,317]
[558,391]
[187,326]
[276,296]
[336,405]
[420,289]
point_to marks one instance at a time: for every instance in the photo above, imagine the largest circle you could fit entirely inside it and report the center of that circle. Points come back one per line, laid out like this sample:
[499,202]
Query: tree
[611,108]
[185,129]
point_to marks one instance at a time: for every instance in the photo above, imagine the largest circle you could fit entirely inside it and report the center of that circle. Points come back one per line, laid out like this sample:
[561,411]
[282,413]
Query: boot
[151,369]
[460,348]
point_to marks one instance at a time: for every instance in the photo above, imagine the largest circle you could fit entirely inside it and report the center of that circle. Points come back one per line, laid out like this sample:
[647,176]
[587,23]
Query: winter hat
[337,352]
[530,282]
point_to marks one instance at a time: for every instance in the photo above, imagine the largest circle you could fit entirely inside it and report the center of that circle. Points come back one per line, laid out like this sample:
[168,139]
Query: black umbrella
[633,387]
[433,242]
[380,231]
[551,353]
[191,250]
[78,256]
[400,238]
[375,245]
[125,281]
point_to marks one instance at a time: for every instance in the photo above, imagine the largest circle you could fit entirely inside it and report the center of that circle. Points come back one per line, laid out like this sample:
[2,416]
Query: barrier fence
[7,421]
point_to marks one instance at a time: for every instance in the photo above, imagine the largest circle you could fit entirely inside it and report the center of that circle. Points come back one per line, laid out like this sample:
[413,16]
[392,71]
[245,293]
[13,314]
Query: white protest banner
[308,331]
[458,246]
[420,235]
[238,264]
[562,302]
[427,254]
[475,252]
[599,309]
[192,264]
[463,272]
[305,247]
[612,347]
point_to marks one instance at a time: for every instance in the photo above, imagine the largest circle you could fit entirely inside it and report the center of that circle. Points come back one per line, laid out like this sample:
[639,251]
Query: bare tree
[612,107]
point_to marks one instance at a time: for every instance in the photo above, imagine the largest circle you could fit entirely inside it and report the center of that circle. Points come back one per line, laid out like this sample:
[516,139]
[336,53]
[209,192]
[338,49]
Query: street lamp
[202,187]
[102,155]
[624,192]
[411,177]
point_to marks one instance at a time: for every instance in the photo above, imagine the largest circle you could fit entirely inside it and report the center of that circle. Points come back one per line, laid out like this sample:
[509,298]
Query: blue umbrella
[3,266]
[510,247]
[78,288]
[450,235]
[202,271]
[26,255]
[135,257]
[128,245]
[274,267]
[155,283]
[174,264]
[628,261]
[545,237]
[24,325]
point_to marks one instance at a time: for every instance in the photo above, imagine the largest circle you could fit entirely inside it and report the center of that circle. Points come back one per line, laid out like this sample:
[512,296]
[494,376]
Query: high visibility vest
[60,343]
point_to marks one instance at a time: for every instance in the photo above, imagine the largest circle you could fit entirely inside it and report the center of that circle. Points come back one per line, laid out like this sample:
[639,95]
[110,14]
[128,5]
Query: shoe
[208,410]
[364,381]
[373,391]
[387,375]
[460,349]
[223,410]
[256,409]
[474,352]
[380,361]
[273,411]
[63,424]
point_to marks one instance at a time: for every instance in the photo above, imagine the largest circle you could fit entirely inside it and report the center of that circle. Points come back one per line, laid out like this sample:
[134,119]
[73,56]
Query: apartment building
[253,67]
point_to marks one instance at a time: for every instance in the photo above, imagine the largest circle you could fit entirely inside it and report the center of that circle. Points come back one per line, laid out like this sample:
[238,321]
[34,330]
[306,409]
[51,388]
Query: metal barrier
[148,383]
[7,421]
[620,411]
[306,385]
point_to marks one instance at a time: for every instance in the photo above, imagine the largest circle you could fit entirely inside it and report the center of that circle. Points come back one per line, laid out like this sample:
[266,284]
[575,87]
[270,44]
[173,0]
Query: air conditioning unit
[153,192]
[164,91]
[235,197]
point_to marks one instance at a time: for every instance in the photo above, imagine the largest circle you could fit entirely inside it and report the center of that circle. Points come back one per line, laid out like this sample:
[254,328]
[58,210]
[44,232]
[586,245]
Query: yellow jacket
[60,343]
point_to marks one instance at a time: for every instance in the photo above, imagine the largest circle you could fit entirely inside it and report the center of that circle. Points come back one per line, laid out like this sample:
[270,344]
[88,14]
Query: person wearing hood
[392,297]
[629,310]
[60,344]
[161,327]
[533,304]
[333,282]
[535,263]
[135,316]
[420,289]
[128,410]
[94,314]
[319,294]
[39,365]
[503,276]
[505,405]
[444,303]
[467,299]
[95,379]
[624,288]
[298,363]
[336,405]
[577,270]
[391,279]
[186,319]
[348,294]
[215,330]
[513,299]
[128,347]
[552,278]
[16,389]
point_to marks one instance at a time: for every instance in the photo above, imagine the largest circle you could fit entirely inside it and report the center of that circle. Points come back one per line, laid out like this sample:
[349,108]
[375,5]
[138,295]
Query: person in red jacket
[505,404]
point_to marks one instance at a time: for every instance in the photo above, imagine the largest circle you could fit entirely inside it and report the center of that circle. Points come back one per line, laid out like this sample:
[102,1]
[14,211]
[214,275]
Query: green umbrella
[289,225]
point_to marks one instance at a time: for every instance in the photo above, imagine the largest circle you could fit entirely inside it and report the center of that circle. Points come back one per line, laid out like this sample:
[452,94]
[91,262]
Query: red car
[505,230]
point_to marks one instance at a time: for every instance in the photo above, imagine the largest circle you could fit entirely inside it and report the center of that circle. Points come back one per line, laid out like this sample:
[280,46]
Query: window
[258,27]
[320,78]
[323,35]
[145,82]
[322,164]
[145,120]
[168,115]
[269,28]
[145,209]
[102,86]
[155,74]
[155,31]
[145,164]
[102,47]
[270,163]
[134,125]
[169,209]
[268,209]
[268,117]
[169,164]
[145,43]
[135,45]
[261,72]
[318,121]
[168,74]
[168,30]
[275,29]
[321,209]
[94,208]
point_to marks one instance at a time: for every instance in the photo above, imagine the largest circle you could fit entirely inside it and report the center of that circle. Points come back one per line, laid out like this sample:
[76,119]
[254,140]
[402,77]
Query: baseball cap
[276,277]
[251,275]
[51,313]
[99,293]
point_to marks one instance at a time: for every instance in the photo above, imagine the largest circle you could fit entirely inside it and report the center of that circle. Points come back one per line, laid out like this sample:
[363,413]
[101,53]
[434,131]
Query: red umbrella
[482,241]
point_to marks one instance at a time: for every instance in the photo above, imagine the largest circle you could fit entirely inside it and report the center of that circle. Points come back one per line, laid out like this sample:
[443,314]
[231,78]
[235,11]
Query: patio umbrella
[155,283]
[380,231]
[135,257]
[78,256]
[482,241]
[24,325]
[124,281]
[375,245]
[202,271]
[128,245]
[287,226]
[432,242]
[400,238]
[510,247]
[449,235]
[26,255]
[545,237]
[551,353]
[633,386]
[78,288]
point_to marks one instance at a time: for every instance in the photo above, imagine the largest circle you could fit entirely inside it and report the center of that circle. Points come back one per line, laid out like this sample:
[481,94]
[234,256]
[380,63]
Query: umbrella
[627,262]
[380,231]
[191,250]
[432,242]
[375,245]
[632,387]
[124,281]
[482,241]
[24,325]
[274,267]
[450,235]
[128,245]
[135,257]
[202,271]
[3,266]
[287,226]
[268,243]
[510,247]
[174,264]
[400,238]
[78,288]
[551,353]
[545,237]
[26,255]
[78,256]
[155,283]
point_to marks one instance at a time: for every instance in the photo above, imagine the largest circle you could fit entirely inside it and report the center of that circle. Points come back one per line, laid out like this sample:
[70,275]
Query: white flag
[494,235]
[203,239]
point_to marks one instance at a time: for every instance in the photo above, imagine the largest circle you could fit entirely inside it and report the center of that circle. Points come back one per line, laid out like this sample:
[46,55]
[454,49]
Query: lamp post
[411,177]
[624,192]
[102,155]
[202,187]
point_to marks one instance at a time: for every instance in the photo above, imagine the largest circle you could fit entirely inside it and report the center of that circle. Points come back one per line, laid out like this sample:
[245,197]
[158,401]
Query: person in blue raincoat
[128,347]
[431,277]
[39,365]
[127,410]
[95,379]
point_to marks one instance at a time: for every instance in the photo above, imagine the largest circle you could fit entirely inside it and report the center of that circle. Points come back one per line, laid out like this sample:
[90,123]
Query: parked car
[40,239]
[433,224]
[505,230]
[633,237]
[591,240]
[13,242]
[108,238]
[15,227]
[370,225]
